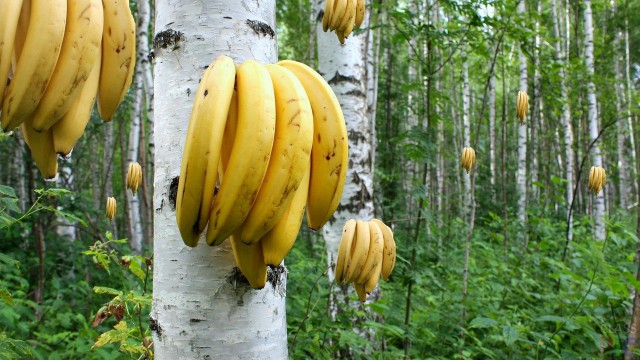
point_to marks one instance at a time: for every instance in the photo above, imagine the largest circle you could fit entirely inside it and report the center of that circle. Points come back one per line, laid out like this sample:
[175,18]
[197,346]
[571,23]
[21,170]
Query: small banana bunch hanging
[134,177]
[55,59]
[468,158]
[597,179]
[343,16]
[367,251]
[111,208]
[522,106]
[256,155]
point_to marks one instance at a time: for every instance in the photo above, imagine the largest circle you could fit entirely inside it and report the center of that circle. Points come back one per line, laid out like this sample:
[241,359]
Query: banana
[389,252]
[349,16]
[522,106]
[344,251]
[468,158]
[362,293]
[341,36]
[358,253]
[42,149]
[360,10]
[277,243]
[68,130]
[10,10]
[330,150]
[290,156]
[198,172]
[118,56]
[36,60]
[592,177]
[338,13]
[111,208]
[326,17]
[229,135]
[374,255]
[80,50]
[134,176]
[373,279]
[250,262]
[250,155]
[351,24]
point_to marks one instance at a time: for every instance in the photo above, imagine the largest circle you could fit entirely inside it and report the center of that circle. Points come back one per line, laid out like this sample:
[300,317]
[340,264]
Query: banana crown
[111,208]
[597,179]
[468,158]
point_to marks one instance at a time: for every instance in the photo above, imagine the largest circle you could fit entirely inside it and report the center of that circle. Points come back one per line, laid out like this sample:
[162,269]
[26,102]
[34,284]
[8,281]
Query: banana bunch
[111,208]
[522,106]
[343,16]
[367,251]
[134,177]
[597,179]
[56,56]
[468,158]
[263,143]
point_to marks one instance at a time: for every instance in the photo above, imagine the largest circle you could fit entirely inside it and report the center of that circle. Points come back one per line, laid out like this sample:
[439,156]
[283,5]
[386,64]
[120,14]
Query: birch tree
[593,114]
[201,307]
[521,175]
[345,69]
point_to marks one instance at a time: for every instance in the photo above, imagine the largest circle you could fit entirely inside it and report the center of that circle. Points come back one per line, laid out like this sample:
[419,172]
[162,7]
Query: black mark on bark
[154,326]
[167,39]
[173,192]
[320,16]
[261,28]
[276,276]
[337,78]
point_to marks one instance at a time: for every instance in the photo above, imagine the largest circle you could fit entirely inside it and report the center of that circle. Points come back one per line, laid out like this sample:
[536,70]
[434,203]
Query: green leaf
[8,191]
[510,335]
[106,290]
[119,334]
[6,296]
[482,322]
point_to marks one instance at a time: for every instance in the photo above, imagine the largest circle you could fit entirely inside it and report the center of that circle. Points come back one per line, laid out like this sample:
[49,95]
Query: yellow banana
[250,262]
[341,36]
[250,155]
[118,56]
[358,253]
[349,16]
[351,24]
[134,176]
[389,252]
[68,130]
[344,251]
[374,255]
[290,156]
[326,17]
[277,243]
[522,106]
[330,150]
[360,10]
[198,172]
[373,279]
[42,150]
[36,60]
[111,208]
[80,51]
[360,290]
[10,10]
[338,13]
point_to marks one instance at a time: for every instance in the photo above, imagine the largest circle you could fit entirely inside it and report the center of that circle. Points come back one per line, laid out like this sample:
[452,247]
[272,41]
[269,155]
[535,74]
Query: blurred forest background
[516,259]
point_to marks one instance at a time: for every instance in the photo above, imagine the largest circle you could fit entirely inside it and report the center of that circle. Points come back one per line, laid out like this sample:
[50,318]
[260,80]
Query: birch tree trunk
[592,122]
[536,118]
[566,115]
[630,117]
[200,310]
[492,132]
[345,69]
[466,135]
[623,181]
[521,175]
[135,226]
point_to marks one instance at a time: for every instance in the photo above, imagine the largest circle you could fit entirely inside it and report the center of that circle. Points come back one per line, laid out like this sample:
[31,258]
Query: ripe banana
[36,60]
[522,106]
[249,158]
[111,208]
[326,18]
[290,156]
[374,255]
[389,252]
[349,16]
[338,13]
[277,243]
[68,130]
[341,36]
[373,279]
[360,10]
[360,290]
[134,177]
[80,51]
[359,252]
[10,10]
[597,179]
[250,262]
[42,149]
[343,264]
[118,56]
[468,158]
[330,150]
[198,172]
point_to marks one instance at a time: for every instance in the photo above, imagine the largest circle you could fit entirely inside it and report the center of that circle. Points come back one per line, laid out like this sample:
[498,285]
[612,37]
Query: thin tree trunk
[521,175]
[199,310]
[466,135]
[536,117]
[492,132]
[593,115]
[630,117]
[108,168]
[623,181]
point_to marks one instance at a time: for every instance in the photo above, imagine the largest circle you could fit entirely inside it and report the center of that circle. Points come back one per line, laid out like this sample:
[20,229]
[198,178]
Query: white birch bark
[536,118]
[492,132]
[135,226]
[107,170]
[521,175]
[199,311]
[593,115]
[630,117]
[344,67]
[621,126]
[65,228]
[466,128]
